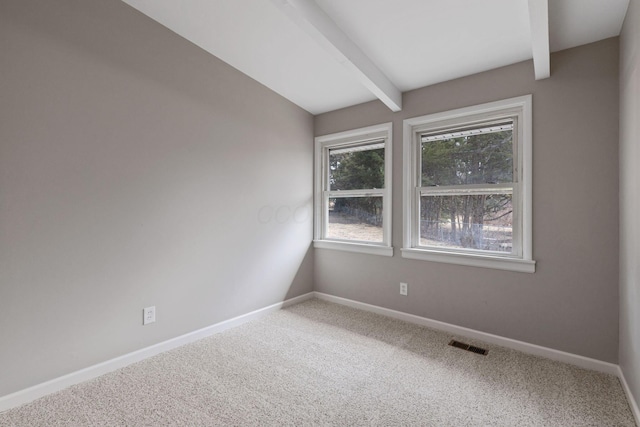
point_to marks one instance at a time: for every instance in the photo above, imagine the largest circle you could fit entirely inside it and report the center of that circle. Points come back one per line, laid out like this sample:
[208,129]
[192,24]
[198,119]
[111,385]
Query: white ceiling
[414,43]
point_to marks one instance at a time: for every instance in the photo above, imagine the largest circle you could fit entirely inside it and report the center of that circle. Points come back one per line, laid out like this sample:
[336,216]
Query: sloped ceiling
[329,54]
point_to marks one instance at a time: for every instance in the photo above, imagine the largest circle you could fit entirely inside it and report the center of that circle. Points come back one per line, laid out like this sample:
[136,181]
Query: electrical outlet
[404,288]
[148,315]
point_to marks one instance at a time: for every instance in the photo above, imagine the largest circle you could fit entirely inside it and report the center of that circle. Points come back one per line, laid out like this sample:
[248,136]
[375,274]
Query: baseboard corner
[633,403]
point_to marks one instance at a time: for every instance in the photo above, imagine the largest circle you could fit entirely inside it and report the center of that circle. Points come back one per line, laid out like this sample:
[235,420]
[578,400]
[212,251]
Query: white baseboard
[549,353]
[630,397]
[29,394]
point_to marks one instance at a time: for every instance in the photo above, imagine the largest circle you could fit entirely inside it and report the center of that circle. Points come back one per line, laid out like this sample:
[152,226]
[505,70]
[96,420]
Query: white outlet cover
[148,315]
[404,288]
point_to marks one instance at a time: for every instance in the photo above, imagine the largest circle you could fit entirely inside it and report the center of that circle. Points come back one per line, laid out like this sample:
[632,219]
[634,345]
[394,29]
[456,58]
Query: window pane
[483,222]
[474,156]
[356,168]
[355,218]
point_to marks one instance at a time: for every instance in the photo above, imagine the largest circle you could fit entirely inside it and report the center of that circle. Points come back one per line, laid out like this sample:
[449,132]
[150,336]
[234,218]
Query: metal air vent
[467,347]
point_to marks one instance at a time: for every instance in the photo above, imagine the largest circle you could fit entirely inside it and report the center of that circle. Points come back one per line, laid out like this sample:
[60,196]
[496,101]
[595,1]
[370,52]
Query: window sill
[363,248]
[484,261]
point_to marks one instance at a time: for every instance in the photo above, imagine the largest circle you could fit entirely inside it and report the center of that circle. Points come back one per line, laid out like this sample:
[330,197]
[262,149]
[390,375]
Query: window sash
[351,146]
[466,190]
[476,190]
[327,195]
[373,192]
[369,138]
[419,130]
[348,147]
[423,136]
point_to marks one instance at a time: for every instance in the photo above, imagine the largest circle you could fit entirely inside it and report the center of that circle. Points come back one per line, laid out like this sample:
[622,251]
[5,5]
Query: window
[467,186]
[353,190]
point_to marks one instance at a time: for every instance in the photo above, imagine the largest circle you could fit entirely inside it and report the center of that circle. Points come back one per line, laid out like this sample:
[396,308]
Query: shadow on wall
[301,283]
[285,230]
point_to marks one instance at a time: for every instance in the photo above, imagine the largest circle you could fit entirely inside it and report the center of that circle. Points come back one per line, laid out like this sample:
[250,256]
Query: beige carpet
[318,363]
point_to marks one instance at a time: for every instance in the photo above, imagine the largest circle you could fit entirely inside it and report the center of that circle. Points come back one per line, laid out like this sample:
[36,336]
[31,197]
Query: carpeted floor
[318,363]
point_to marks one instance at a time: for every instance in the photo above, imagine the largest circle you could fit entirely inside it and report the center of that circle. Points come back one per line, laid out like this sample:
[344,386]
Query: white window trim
[522,106]
[323,143]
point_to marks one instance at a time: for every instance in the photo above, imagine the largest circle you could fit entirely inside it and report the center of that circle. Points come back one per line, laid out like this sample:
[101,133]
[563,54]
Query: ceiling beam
[312,19]
[539,19]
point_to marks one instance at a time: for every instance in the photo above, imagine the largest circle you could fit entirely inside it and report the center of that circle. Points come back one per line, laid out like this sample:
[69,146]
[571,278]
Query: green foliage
[475,159]
[357,170]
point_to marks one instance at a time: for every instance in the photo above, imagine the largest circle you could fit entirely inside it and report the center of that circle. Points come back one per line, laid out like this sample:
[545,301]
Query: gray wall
[136,170]
[630,198]
[571,302]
